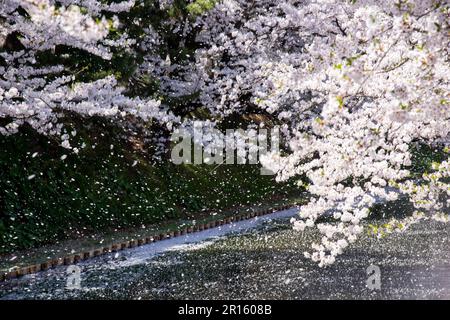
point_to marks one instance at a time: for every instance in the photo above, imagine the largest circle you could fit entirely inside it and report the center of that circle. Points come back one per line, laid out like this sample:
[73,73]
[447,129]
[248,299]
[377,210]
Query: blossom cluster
[38,94]
[357,83]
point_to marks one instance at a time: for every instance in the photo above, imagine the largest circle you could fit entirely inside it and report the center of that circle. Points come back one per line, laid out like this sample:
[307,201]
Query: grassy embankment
[111,191]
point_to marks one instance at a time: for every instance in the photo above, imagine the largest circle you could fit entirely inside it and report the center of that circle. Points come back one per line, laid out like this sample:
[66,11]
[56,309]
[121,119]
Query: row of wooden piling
[115,247]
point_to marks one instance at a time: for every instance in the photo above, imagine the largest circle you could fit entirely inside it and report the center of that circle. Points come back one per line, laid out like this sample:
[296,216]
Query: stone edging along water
[118,246]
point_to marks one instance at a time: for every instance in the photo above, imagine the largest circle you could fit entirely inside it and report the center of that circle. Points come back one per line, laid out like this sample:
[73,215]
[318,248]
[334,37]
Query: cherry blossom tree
[36,85]
[356,84]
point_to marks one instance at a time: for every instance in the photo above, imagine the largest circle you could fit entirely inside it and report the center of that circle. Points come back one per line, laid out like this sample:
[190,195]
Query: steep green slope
[108,185]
